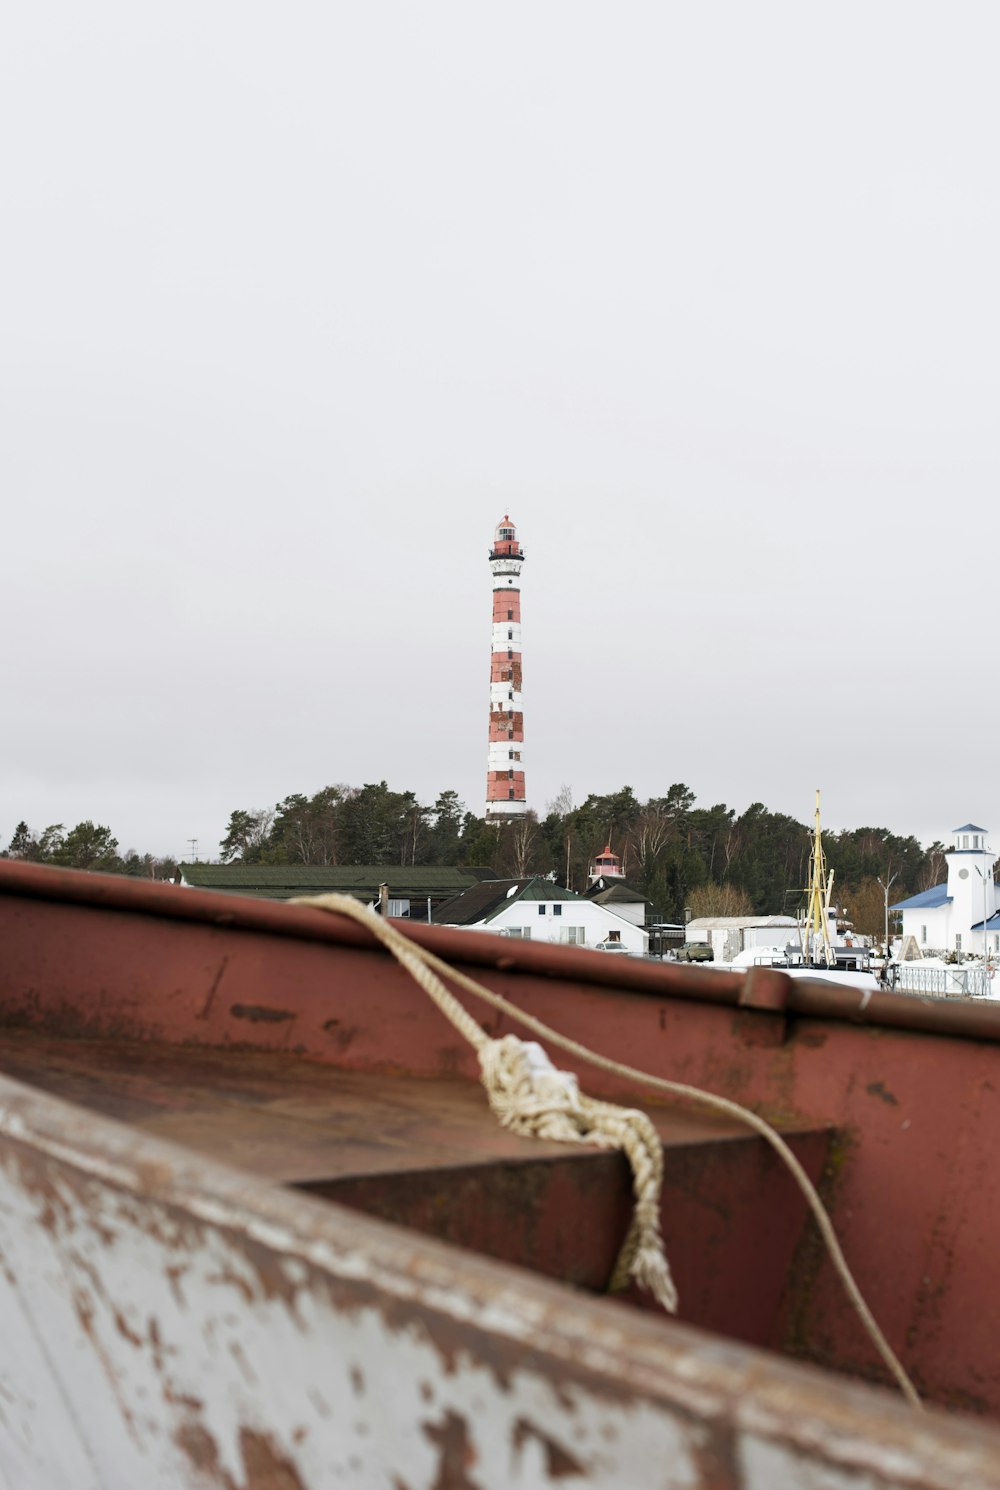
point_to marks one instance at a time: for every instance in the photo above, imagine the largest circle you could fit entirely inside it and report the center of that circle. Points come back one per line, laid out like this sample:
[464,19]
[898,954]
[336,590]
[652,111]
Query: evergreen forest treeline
[87,846]
[709,860]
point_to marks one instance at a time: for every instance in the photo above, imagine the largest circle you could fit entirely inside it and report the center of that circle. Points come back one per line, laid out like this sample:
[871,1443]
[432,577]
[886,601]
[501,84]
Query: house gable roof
[927,900]
[484,901]
[615,891]
[740,923]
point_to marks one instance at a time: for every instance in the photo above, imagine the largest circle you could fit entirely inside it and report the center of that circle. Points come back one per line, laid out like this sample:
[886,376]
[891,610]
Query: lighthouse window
[510,617]
[510,636]
[509,654]
[510,775]
[511,792]
[510,734]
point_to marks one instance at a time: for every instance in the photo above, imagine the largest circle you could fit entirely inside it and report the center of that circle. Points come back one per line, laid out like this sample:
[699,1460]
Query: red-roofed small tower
[505,796]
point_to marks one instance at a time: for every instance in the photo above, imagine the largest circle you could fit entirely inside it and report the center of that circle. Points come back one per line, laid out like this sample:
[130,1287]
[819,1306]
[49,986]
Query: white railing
[947,982]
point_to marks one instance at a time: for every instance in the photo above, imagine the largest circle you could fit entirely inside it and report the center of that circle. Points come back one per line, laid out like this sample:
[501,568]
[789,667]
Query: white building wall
[932,929]
[771,936]
[635,913]
[500,758]
[501,641]
[545,926]
[970,884]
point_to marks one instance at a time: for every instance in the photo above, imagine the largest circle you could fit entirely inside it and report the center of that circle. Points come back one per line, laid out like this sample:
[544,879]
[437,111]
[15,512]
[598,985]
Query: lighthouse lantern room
[505,795]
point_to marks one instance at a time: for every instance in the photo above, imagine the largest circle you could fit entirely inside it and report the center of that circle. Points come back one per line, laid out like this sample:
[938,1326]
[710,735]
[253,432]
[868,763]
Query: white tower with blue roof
[971,888]
[961,915]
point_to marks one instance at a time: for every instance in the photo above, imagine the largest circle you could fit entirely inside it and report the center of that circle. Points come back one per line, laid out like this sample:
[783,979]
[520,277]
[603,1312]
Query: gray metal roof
[740,923]
[284,881]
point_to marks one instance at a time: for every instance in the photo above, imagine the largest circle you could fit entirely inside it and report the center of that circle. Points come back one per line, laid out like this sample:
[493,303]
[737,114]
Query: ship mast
[816,931]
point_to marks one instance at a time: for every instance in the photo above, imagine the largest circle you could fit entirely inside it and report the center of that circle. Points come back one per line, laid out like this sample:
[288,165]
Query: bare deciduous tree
[719,900]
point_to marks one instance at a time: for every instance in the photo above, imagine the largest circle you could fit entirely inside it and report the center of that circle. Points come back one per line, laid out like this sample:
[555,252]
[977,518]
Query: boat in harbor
[260,1230]
[817,951]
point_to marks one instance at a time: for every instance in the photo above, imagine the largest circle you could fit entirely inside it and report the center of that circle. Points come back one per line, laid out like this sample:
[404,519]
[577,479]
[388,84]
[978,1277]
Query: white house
[540,911]
[962,913]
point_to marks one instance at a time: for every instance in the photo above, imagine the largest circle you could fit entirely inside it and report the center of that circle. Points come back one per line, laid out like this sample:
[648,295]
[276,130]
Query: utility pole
[983,875]
[886,887]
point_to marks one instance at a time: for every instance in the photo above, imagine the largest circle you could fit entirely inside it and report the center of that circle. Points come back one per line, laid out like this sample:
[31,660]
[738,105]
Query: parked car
[695,952]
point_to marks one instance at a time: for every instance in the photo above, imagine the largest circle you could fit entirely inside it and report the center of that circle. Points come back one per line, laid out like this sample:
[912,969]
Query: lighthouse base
[502,811]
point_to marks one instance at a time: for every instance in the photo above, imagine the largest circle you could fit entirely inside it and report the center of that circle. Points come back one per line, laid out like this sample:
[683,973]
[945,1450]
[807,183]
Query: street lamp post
[984,875]
[886,887]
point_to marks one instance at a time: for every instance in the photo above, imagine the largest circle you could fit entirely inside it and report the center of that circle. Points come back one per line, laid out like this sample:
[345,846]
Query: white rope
[642,1252]
[530,1096]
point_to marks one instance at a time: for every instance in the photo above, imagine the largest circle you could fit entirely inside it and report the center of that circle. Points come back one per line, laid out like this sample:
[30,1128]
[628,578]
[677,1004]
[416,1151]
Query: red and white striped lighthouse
[505,774]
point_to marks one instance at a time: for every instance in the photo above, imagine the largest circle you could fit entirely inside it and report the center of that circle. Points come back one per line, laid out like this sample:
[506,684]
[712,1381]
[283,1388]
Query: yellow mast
[816,931]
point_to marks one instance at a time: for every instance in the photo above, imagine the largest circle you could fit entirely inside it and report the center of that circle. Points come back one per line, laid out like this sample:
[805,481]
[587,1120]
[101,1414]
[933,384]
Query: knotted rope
[547,1103]
[530,1096]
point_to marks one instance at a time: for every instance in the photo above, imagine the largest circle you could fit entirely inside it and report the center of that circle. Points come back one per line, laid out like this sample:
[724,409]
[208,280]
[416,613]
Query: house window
[557,909]
[541,910]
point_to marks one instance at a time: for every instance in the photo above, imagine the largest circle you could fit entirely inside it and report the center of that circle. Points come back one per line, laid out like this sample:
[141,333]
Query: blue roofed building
[962,914]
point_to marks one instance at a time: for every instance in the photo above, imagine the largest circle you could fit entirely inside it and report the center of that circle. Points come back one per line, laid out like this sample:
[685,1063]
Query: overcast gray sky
[298,300]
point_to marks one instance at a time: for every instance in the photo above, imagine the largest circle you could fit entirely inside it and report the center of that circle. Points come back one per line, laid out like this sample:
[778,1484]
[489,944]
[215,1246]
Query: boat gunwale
[760,988]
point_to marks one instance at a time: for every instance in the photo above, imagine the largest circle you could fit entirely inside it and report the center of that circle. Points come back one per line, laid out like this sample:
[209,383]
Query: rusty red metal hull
[257,1227]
